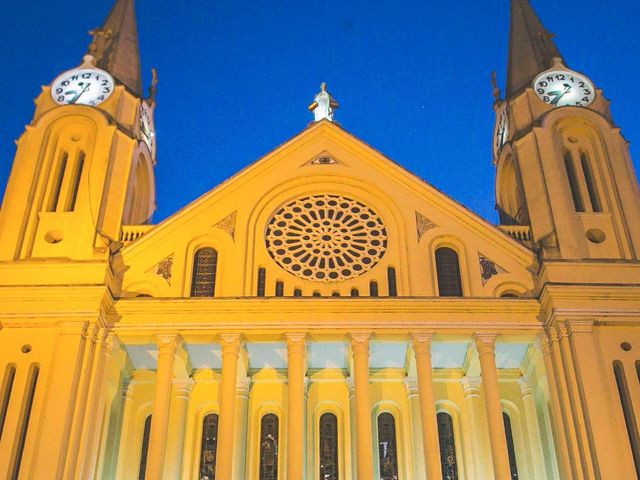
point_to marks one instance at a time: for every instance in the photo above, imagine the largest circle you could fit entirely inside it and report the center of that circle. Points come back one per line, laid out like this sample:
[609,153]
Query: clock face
[82,86]
[561,88]
[147,133]
[501,131]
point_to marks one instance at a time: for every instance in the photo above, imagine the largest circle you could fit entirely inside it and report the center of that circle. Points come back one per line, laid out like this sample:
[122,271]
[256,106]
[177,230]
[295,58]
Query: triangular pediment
[324,161]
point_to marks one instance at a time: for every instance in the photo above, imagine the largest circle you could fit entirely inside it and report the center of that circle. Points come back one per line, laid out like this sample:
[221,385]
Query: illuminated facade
[323,314]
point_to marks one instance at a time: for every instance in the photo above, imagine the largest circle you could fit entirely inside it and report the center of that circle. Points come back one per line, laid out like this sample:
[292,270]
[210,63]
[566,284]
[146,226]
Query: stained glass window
[448,270]
[328,447]
[145,448]
[387,449]
[447,447]
[209,447]
[510,446]
[203,283]
[269,447]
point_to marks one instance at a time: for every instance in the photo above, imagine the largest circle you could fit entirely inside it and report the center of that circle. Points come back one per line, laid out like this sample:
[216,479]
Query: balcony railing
[129,233]
[518,232]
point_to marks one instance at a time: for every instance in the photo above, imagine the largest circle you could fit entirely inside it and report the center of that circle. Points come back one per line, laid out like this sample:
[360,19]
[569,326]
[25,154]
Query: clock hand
[78,95]
[558,94]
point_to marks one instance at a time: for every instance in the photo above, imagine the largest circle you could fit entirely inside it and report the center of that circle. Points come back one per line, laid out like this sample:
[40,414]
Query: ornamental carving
[326,238]
[228,224]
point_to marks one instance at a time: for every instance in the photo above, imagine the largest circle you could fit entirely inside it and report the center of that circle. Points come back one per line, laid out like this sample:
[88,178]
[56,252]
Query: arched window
[7,387]
[328,447]
[447,447]
[279,288]
[627,411]
[591,186]
[391,277]
[209,447]
[269,447]
[262,278]
[355,292]
[573,182]
[387,449]
[448,270]
[145,448]
[297,292]
[511,449]
[373,288]
[203,282]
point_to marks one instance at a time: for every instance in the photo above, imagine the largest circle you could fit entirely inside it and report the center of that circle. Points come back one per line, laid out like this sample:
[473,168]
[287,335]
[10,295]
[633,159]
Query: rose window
[326,238]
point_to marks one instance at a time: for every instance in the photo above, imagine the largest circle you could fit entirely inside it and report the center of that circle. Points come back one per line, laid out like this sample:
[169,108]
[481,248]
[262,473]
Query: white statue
[323,105]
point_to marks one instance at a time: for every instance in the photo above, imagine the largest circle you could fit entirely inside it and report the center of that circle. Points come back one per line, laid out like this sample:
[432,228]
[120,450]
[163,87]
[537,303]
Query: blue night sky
[412,78]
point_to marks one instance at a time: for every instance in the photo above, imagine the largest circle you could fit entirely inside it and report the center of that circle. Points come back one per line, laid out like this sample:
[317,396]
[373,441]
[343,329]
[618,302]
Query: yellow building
[323,314]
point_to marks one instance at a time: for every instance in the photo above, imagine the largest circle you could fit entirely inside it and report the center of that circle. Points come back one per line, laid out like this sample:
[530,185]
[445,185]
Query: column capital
[230,342]
[243,386]
[359,340]
[168,343]
[412,387]
[541,343]
[485,342]
[421,340]
[471,386]
[525,387]
[296,339]
[552,334]
[183,387]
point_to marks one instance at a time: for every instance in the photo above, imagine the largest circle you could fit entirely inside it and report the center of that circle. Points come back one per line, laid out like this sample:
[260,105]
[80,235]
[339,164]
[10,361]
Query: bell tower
[84,165]
[563,167]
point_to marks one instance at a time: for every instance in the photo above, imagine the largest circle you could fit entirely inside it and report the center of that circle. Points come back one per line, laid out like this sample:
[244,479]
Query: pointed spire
[531,48]
[115,46]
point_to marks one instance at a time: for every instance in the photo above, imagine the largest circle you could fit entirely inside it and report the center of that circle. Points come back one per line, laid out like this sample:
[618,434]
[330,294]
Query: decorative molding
[488,268]
[228,224]
[163,268]
[423,224]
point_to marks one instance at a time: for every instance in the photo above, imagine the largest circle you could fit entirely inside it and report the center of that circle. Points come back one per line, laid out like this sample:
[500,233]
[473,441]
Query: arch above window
[448,272]
[205,262]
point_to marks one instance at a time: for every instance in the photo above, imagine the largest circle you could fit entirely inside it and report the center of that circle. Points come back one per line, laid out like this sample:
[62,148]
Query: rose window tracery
[326,238]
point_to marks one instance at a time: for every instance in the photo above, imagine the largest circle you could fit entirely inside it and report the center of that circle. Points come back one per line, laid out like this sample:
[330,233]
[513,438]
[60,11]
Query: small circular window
[326,238]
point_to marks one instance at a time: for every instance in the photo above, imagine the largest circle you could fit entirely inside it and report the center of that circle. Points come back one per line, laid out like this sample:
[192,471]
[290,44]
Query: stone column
[558,429]
[431,444]
[242,404]
[295,404]
[486,352]
[178,421]
[534,440]
[476,426]
[352,424]
[364,440]
[167,345]
[224,456]
[419,467]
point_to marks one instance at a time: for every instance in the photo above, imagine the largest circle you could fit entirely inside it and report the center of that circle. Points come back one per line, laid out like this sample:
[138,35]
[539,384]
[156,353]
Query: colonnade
[296,355]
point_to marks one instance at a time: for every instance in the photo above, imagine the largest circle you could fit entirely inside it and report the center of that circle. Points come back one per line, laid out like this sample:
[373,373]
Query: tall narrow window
[373,288]
[57,183]
[203,283]
[74,184]
[629,416]
[387,449]
[573,182]
[269,447]
[391,277]
[448,271]
[511,449]
[328,447]
[262,277]
[209,446]
[591,185]
[145,448]
[25,415]
[447,447]
[7,386]
[279,288]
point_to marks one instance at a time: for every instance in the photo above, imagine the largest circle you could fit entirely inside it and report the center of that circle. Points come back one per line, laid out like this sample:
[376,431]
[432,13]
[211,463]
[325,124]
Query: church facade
[323,314]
